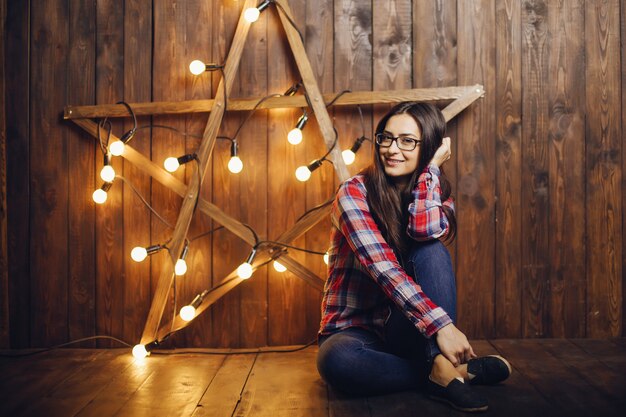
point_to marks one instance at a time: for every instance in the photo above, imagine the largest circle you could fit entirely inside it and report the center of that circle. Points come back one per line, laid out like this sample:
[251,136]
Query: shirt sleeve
[427,219]
[351,215]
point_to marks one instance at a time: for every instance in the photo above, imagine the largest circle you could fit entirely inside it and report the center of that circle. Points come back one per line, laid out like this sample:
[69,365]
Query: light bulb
[140,352]
[117,148]
[197,67]
[235,165]
[279,267]
[99,196]
[107,173]
[181,267]
[171,164]
[138,254]
[188,313]
[252,14]
[326,258]
[294,136]
[245,270]
[303,174]
[348,156]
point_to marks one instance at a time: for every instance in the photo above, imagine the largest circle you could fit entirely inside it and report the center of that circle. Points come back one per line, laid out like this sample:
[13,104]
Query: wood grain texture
[49,175]
[81,179]
[198,45]
[435,65]
[566,182]
[535,249]
[17,38]
[476,174]
[508,319]
[109,224]
[603,170]
[137,217]
[5,340]
[623,43]
[286,294]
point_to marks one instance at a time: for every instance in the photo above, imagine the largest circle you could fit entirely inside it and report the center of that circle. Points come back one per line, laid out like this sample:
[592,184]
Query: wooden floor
[551,378]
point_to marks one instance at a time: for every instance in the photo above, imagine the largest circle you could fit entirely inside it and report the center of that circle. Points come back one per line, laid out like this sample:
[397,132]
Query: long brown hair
[388,202]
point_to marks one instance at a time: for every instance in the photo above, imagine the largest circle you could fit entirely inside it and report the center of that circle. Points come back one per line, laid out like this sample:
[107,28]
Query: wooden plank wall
[537,164]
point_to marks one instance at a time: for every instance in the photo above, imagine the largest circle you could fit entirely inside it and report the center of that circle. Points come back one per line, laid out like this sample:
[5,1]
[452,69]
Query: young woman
[389,304]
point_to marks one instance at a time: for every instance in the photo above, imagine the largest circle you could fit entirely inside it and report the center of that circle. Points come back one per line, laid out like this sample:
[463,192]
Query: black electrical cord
[256,106]
[144,201]
[285,245]
[290,20]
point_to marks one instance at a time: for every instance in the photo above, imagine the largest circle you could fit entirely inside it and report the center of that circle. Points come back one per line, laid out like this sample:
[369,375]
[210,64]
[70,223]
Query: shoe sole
[456,407]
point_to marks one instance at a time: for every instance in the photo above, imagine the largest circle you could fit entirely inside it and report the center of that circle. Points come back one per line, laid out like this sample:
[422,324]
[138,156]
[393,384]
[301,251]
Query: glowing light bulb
[117,148]
[197,67]
[140,352]
[294,136]
[348,156]
[188,313]
[181,267]
[171,164]
[99,196]
[326,258]
[107,173]
[279,267]
[245,270]
[138,254]
[252,14]
[303,173]
[235,165]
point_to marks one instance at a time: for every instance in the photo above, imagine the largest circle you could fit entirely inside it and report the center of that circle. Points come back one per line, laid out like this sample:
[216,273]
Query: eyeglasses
[405,143]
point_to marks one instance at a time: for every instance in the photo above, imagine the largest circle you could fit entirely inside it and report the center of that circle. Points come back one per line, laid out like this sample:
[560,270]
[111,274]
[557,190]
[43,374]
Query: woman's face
[400,164]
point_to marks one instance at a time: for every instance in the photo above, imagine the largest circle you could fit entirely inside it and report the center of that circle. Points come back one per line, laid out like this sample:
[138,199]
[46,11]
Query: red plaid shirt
[364,275]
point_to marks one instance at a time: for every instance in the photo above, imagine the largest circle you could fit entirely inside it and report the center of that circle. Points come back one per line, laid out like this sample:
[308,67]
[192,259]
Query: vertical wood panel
[623,124]
[285,292]
[508,167]
[198,45]
[535,248]
[353,70]
[229,250]
[168,84]
[49,174]
[109,224]
[566,170]
[604,177]
[253,181]
[17,44]
[4,267]
[81,149]
[319,47]
[435,65]
[476,171]
[137,88]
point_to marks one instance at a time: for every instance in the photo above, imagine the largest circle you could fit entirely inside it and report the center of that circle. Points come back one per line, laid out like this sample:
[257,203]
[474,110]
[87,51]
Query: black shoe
[488,370]
[459,395]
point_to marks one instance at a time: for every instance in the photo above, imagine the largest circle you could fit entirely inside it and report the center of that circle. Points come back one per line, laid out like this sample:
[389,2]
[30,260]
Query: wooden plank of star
[203,154]
[205,106]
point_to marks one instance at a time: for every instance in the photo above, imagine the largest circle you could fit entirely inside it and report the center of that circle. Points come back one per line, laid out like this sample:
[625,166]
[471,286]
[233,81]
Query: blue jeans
[358,361]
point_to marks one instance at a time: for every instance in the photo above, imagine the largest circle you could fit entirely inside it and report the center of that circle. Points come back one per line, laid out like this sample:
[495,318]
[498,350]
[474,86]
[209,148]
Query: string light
[107,173]
[245,269]
[171,164]
[188,312]
[117,148]
[138,254]
[100,195]
[141,351]
[235,165]
[303,173]
[295,135]
[349,155]
[181,266]
[326,258]
[197,67]
[279,267]
[252,14]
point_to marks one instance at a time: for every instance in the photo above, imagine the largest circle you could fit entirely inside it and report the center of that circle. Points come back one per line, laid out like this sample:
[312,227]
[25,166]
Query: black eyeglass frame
[381,136]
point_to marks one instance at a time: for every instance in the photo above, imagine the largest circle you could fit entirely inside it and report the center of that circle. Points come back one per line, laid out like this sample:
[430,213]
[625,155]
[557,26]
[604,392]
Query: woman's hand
[454,345]
[443,153]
